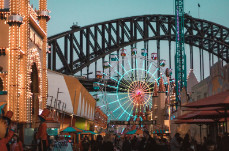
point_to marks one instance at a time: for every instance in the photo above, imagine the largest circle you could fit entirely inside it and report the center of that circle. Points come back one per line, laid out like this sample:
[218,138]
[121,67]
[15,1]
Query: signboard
[34,37]
[153,122]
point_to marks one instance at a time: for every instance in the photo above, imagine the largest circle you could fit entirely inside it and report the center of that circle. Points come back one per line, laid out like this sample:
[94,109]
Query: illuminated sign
[34,37]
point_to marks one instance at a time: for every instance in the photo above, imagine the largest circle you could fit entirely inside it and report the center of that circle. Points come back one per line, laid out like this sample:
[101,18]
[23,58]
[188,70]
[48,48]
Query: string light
[20,59]
[100,118]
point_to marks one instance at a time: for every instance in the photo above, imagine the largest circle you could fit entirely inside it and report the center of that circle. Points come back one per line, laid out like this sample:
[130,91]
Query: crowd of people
[115,143]
[10,141]
[186,144]
[147,143]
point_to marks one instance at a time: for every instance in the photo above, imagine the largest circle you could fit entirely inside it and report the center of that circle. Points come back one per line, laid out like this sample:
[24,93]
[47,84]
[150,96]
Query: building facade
[217,82]
[23,46]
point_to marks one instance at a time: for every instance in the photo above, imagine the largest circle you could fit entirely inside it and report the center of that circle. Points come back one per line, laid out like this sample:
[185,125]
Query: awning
[87,133]
[131,132]
[102,133]
[139,132]
[164,131]
[50,123]
[204,115]
[220,99]
[70,92]
[198,121]
[71,130]
[194,121]
[223,119]
[203,109]
[135,132]
[188,115]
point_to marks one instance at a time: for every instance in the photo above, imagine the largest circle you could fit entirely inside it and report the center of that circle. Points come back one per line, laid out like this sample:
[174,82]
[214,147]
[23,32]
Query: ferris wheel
[129,77]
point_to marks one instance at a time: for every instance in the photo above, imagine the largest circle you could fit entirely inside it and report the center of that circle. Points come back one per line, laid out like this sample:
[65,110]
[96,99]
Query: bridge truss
[82,46]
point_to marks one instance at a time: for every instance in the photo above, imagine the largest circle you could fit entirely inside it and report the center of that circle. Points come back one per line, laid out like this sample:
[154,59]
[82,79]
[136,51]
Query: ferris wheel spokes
[128,77]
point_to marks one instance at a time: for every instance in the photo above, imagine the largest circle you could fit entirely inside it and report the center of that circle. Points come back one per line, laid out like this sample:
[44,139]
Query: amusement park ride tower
[23,44]
[180,57]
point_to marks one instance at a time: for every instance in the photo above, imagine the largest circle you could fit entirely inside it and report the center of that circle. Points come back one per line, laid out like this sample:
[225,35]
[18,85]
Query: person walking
[6,130]
[225,143]
[16,144]
[41,135]
[108,143]
[98,144]
[148,142]
[134,143]
[126,145]
[186,145]
[85,144]
[93,144]
[174,144]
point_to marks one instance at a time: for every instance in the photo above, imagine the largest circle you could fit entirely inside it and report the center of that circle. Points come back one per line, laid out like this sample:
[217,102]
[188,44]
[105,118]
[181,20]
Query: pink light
[139,93]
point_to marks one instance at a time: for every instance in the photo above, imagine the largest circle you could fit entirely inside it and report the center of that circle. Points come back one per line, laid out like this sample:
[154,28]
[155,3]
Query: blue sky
[85,12]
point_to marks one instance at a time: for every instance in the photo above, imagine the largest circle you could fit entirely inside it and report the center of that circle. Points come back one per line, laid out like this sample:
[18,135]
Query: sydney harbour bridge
[85,51]
[148,76]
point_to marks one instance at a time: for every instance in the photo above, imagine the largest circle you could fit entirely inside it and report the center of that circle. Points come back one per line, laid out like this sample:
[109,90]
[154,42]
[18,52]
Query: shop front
[100,120]
[75,105]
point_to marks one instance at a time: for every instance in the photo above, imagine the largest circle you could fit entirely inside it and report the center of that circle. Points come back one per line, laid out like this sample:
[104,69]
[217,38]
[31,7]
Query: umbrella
[140,132]
[87,132]
[131,132]
[71,130]
[103,133]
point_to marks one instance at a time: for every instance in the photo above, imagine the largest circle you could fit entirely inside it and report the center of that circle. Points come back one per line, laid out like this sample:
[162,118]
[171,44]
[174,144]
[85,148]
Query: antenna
[198,10]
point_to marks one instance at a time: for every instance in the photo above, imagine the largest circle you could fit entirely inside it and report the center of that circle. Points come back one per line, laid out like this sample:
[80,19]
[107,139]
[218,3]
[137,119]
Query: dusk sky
[66,12]
[85,12]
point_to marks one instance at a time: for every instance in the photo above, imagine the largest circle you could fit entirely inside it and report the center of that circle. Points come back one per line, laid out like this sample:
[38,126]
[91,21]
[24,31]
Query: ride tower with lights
[180,57]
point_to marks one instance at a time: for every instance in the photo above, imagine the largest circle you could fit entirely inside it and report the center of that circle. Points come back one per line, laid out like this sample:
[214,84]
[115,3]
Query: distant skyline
[85,12]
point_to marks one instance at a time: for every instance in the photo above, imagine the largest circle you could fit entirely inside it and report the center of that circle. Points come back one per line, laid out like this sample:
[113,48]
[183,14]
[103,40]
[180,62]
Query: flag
[198,5]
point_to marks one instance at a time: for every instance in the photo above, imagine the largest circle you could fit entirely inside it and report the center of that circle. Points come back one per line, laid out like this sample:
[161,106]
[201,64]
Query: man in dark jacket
[126,145]
[148,142]
[134,144]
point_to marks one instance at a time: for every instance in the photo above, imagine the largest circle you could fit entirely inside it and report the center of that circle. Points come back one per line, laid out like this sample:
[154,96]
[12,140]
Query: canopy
[102,133]
[76,97]
[140,132]
[187,115]
[87,133]
[198,121]
[135,132]
[203,109]
[203,115]
[71,130]
[131,132]
[220,99]
[194,121]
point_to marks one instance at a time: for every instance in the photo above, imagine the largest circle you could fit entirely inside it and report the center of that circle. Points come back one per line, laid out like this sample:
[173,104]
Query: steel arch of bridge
[93,42]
